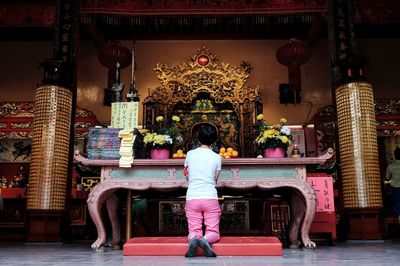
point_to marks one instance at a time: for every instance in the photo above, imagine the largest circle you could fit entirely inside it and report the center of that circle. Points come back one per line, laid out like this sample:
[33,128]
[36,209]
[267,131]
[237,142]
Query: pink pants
[210,209]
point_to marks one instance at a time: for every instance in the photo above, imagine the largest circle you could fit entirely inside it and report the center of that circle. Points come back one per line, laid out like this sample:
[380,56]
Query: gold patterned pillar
[359,158]
[49,161]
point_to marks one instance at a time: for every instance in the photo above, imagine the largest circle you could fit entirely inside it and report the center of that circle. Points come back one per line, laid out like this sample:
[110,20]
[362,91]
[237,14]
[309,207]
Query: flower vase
[274,153]
[159,154]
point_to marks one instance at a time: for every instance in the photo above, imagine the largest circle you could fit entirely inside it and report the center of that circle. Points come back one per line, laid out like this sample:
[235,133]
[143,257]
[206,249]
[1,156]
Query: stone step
[227,246]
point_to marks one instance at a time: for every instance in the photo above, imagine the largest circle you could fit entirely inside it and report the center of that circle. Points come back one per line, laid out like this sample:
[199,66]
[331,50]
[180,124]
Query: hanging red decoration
[112,53]
[109,55]
[293,54]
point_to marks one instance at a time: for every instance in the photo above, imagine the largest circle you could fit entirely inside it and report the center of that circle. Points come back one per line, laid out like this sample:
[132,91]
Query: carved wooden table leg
[297,211]
[112,204]
[310,200]
[302,215]
[95,202]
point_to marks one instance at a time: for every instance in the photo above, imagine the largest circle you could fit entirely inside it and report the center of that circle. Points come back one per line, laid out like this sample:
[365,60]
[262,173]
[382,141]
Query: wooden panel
[235,216]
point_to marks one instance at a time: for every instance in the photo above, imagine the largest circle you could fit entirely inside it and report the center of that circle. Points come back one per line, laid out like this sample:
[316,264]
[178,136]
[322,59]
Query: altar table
[238,173]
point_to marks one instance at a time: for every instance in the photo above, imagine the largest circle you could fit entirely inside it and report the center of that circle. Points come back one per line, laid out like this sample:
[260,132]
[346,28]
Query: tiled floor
[350,253]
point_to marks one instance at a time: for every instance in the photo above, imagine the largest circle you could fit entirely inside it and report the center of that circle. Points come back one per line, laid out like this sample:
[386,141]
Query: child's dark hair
[207,135]
[397,153]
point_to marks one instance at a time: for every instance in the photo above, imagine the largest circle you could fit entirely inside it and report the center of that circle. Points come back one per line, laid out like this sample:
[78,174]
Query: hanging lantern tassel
[295,81]
[293,54]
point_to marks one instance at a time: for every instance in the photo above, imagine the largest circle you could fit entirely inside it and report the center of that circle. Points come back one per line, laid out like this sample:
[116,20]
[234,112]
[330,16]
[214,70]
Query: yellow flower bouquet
[273,136]
[163,137]
[157,140]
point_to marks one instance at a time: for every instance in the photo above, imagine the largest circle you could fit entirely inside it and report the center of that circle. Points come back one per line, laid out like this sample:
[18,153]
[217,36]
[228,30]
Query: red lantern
[112,53]
[293,54]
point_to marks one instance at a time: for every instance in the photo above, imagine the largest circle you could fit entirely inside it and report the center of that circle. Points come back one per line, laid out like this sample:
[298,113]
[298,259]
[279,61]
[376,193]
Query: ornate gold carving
[387,107]
[87,183]
[19,109]
[25,109]
[388,133]
[224,83]
[83,124]
[21,124]
[15,135]
[23,114]
[388,123]
[83,112]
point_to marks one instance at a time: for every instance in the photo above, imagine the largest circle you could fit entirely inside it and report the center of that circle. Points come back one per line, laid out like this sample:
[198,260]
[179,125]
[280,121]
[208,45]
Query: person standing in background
[393,178]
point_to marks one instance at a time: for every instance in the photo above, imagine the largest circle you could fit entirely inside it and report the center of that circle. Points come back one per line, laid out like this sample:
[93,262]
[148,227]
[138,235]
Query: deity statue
[230,133]
[3,182]
[20,179]
[203,105]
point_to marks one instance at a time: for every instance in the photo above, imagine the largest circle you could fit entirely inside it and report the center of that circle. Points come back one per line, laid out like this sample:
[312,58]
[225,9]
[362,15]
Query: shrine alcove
[205,90]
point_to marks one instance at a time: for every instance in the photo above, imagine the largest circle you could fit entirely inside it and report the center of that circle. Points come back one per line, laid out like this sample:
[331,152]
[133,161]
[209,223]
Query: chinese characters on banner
[323,186]
[124,115]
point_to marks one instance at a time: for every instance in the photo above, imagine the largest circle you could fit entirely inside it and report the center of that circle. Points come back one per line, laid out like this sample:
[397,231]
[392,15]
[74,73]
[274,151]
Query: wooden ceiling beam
[315,30]
[95,34]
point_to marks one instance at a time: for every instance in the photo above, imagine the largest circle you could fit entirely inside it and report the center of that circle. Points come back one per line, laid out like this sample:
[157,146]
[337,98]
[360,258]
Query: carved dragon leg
[310,200]
[112,207]
[95,202]
[302,215]
[297,211]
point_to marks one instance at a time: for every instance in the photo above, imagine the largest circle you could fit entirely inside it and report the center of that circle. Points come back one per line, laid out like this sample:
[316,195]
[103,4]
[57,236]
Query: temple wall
[20,75]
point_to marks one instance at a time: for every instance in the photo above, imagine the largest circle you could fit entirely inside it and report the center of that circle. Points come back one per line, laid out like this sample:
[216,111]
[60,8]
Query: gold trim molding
[204,73]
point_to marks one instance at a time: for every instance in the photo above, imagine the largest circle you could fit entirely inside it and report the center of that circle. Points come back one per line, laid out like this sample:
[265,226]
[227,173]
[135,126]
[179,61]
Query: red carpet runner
[227,246]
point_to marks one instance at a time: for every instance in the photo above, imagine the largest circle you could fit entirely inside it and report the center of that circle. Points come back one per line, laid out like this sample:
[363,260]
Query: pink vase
[274,153]
[159,154]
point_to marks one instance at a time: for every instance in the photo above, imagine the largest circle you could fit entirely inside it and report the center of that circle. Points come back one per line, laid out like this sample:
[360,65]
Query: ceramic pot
[159,154]
[274,153]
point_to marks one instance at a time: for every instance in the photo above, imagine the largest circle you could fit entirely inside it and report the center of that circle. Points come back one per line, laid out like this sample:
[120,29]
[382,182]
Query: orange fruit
[181,155]
[179,151]
[175,155]
[235,154]
[222,150]
[230,149]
